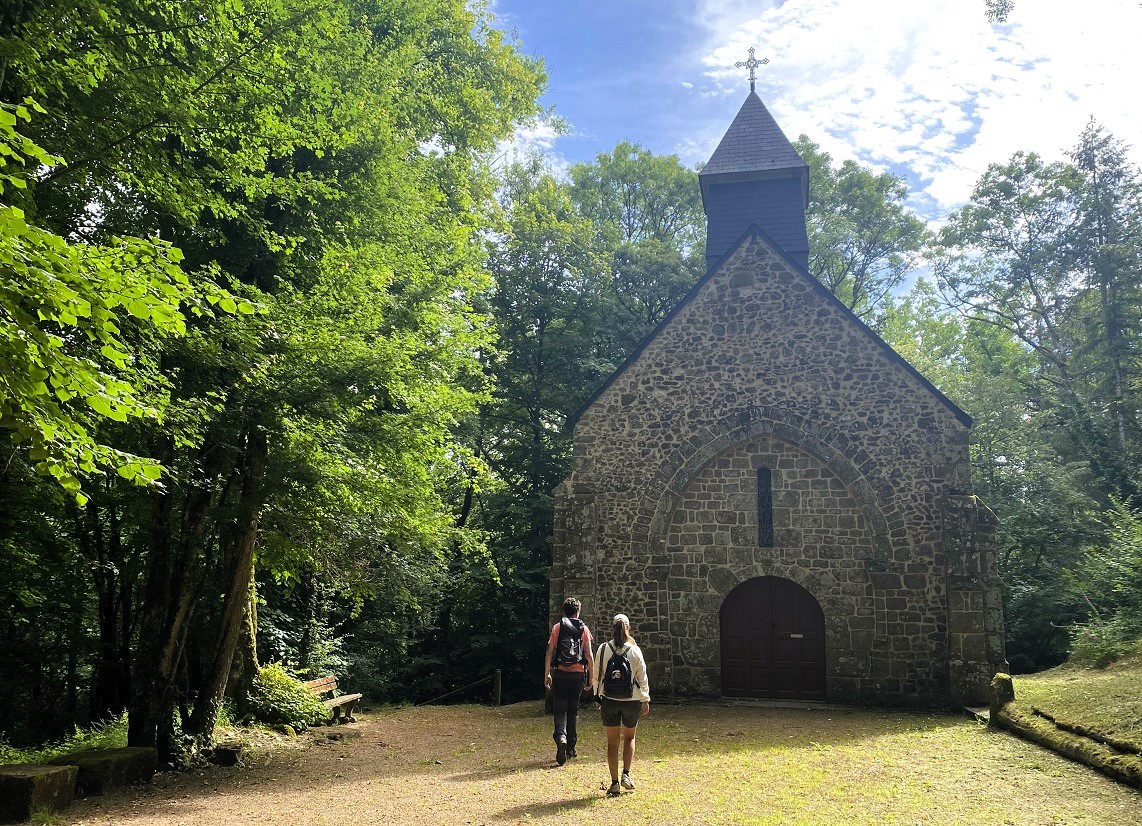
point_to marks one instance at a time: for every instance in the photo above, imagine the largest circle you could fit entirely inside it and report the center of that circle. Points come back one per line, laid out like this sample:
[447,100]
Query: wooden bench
[341,706]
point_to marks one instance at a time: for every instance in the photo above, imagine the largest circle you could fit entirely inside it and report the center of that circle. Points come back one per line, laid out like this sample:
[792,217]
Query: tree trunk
[167,609]
[111,681]
[245,666]
[239,574]
[307,588]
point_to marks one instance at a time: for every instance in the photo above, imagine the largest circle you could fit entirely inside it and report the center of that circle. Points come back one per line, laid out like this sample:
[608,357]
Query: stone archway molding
[674,475]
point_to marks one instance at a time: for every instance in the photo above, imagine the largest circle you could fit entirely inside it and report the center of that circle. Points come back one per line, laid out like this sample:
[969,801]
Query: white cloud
[929,88]
[539,136]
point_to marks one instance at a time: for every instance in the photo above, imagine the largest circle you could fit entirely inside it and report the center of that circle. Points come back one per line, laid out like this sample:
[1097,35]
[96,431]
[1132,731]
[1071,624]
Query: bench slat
[342,700]
[320,686]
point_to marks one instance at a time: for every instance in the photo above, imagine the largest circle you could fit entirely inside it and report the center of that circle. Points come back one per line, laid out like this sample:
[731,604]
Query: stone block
[884,581]
[862,622]
[723,580]
[971,647]
[226,755]
[1001,693]
[25,789]
[965,623]
[103,769]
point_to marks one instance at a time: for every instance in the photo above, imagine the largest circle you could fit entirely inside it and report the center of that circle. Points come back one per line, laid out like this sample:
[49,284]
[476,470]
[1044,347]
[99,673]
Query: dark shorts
[621,712]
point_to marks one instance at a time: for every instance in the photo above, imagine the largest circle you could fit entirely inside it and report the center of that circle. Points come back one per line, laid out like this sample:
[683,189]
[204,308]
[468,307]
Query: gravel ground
[696,765]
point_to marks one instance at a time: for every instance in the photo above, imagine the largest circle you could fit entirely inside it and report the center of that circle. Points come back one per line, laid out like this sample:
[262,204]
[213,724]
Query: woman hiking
[624,696]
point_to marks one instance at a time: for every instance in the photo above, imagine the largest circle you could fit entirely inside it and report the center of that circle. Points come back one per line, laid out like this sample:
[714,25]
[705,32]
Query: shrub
[1110,579]
[107,735]
[1098,643]
[279,698]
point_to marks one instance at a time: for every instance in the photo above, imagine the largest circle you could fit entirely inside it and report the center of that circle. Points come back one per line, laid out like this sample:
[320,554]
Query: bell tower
[755,176]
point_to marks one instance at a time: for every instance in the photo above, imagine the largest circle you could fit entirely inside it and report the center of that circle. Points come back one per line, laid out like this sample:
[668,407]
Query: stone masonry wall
[658,519]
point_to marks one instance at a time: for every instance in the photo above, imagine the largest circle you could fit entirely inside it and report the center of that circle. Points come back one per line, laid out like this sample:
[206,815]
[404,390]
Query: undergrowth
[109,735]
[279,698]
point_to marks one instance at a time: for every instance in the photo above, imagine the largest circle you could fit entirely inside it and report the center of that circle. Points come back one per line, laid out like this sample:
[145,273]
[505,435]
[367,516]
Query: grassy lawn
[1108,700]
[780,766]
[695,765]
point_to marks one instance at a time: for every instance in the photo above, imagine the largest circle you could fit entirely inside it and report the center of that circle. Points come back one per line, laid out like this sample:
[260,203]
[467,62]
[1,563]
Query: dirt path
[470,765]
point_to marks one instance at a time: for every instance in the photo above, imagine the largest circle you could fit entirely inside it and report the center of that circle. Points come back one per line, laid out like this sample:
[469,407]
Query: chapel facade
[778,500]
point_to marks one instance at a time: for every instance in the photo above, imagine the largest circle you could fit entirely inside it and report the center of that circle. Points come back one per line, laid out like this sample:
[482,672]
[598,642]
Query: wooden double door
[773,641]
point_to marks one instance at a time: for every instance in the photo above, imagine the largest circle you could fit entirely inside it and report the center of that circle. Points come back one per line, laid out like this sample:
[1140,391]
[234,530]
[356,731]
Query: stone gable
[871,493]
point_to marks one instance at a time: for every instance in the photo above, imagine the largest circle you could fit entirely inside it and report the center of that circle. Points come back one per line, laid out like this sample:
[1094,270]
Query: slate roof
[753,143]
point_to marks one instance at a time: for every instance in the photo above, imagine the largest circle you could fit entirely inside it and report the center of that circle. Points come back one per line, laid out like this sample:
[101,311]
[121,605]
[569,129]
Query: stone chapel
[780,502]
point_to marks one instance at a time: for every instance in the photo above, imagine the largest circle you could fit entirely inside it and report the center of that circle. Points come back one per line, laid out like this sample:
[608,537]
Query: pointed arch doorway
[773,641]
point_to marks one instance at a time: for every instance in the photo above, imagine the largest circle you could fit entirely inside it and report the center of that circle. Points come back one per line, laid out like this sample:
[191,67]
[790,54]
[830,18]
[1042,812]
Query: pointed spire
[753,143]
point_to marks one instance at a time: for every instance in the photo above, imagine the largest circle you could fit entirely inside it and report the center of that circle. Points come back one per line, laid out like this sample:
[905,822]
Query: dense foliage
[328,163]
[863,240]
[1042,267]
[583,270]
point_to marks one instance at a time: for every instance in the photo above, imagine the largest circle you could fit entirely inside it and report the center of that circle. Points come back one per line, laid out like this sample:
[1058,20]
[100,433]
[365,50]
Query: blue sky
[926,89]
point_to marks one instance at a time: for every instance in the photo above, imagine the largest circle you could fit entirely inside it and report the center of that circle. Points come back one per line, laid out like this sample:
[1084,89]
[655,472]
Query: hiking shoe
[571,752]
[561,751]
[615,790]
[626,782]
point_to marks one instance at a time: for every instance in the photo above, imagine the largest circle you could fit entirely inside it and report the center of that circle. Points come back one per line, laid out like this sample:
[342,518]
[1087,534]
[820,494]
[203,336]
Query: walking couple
[615,674]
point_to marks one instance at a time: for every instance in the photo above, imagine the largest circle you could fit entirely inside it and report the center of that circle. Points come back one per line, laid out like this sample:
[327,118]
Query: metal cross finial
[752,63]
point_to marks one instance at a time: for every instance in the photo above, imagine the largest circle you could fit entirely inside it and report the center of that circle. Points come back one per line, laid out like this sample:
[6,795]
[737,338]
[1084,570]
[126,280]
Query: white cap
[623,618]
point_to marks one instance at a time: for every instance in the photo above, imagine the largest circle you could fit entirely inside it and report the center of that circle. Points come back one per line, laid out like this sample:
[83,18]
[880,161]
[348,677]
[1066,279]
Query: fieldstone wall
[761,367]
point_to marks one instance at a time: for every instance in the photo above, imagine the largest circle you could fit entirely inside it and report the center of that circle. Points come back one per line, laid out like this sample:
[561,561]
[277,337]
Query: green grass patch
[1107,700]
[745,765]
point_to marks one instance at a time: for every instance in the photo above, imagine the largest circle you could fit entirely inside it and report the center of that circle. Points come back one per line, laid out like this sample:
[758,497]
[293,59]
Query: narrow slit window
[764,508]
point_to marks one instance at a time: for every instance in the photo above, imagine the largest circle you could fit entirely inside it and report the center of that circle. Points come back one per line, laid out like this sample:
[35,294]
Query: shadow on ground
[451,746]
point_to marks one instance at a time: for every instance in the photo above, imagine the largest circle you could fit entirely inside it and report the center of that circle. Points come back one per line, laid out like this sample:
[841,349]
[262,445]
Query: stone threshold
[981,714]
[760,702]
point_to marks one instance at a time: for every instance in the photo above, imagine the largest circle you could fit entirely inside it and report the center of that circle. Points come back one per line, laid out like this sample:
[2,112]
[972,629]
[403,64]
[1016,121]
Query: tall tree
[647,211]
[1026,255]
[1043,265]
[998,10]
[327,159]
[550,282]
[863,240]
[583,271]
[1106,254]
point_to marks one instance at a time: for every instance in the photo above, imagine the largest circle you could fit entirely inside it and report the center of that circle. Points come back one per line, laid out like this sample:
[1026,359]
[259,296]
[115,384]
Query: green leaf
[100,404]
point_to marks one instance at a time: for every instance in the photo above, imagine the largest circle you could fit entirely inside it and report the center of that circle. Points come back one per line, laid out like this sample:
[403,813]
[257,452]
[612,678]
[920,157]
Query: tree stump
[1002,692]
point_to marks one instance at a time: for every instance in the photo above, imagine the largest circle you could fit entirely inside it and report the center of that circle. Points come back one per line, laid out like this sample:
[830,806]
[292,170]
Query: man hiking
[567,670]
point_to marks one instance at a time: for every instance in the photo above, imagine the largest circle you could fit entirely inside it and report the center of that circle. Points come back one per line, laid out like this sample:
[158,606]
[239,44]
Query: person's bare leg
[628,748]
[613,735]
